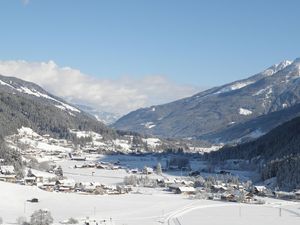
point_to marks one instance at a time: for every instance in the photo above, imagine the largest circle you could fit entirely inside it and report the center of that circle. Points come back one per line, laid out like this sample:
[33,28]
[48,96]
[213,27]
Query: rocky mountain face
[212,114]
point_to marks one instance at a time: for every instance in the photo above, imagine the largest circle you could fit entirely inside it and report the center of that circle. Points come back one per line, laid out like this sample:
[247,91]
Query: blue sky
[192,42]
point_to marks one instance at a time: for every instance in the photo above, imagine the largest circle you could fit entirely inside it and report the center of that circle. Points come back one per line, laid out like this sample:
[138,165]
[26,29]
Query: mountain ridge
[215,109]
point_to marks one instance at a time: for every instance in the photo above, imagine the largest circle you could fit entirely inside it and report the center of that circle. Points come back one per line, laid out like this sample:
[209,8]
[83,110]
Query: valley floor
[155,207]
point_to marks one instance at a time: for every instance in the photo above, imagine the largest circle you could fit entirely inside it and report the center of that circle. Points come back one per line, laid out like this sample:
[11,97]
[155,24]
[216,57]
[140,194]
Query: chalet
[167,182]
[185,190]
[8,178]
[77,158]
[91,165]
[65,185]
[218,188]
[260,190]
[39,176]
[187,182]
[230,197]
[249,198]
[7,174]
[148,170]
[173,187]
[47,186]
[101,166]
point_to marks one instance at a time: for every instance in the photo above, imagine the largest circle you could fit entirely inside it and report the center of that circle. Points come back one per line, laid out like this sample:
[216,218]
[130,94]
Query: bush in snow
[41,217]
[1,220]
[22,221]
[199,182]
[72,221]
[179,162]
[143,181]
[59,172]
[131,180]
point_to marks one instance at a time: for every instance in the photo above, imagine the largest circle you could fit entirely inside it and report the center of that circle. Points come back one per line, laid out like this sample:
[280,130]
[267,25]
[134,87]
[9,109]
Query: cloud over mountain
[113,95]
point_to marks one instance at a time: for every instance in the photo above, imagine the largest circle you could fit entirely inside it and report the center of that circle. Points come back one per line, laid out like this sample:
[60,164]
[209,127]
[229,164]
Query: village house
[66,185]
[7,173]
[148,170]
[260,190]
[47,186]
[249,198]
[227,196]
[173,187]
[185,190]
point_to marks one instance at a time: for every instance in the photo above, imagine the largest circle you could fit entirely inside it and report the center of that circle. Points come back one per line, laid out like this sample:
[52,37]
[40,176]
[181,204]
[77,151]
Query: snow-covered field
[135,209]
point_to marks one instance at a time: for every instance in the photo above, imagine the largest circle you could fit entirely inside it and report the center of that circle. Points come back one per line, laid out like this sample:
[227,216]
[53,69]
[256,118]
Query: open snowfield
[114,177]
[108,177]
[138,209]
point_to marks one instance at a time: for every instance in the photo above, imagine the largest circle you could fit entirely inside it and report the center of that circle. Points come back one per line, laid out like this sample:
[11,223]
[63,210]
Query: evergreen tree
[158,169]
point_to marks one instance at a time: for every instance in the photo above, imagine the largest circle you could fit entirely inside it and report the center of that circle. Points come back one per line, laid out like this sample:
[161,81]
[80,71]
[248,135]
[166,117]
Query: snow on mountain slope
[214,110]
[25,103]
[34,92]
[245,112]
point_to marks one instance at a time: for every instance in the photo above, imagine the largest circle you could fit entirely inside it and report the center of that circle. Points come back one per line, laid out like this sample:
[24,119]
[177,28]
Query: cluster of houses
[221,191]
[100,165]
[94,188]
[54,182]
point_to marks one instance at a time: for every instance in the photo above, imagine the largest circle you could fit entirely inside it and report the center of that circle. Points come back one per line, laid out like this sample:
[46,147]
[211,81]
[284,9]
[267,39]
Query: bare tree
[41,217]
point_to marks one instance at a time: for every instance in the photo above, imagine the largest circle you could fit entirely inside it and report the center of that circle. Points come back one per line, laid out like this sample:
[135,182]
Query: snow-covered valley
[134,209]
[81,183]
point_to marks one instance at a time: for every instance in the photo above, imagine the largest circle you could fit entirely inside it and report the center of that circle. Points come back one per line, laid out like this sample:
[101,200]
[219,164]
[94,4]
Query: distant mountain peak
[209,114]
[277,67]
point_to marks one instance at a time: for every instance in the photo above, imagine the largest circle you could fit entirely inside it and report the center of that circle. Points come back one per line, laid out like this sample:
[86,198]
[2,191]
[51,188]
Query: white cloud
[25,2]
[118,96]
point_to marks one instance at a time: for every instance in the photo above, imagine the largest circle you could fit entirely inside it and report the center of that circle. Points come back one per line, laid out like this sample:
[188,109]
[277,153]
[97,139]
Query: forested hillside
[26,104]
[278,152]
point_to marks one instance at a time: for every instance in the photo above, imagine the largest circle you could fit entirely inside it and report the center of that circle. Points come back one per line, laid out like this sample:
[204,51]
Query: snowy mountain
[102,116]
[26,104]
[207,115]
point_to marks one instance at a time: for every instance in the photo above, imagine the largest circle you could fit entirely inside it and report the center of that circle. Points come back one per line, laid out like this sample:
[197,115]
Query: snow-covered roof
[68,182]
[186,189]
[260,188]
[7,169]
[38,173]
